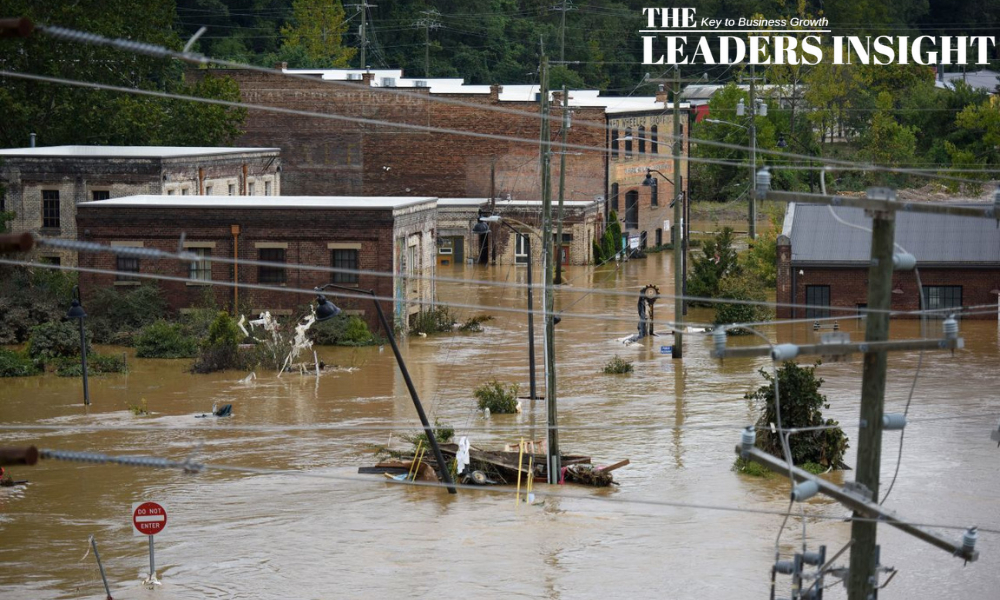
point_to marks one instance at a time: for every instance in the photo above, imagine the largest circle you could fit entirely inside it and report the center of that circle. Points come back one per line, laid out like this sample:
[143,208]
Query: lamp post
[327,310]
[76,312]
[482,227]
[680,244]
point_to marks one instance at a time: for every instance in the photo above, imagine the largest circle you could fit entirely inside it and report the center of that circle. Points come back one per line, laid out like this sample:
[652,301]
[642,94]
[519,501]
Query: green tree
[741,286]
[887,143]
[314,38]
[718,258]
[801,406]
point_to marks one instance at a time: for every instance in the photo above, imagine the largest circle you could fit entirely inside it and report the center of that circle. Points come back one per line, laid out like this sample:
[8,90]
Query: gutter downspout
[201,181]
[236,268]
[243,191]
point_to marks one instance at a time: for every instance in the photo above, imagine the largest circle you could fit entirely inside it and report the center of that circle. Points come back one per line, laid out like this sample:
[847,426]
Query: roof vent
[354,77]
[388,82]
[420,83]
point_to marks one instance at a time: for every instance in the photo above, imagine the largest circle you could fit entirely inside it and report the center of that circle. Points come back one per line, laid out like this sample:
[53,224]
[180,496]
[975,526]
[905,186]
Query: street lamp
[680,245]
[76,312]
[327,310]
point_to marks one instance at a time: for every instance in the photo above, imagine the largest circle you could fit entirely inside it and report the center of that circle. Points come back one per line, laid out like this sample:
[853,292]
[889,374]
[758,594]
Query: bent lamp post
[76,312]
[327,310]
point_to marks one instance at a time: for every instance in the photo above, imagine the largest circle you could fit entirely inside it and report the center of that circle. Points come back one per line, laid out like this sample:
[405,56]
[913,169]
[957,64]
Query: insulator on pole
[719,338]
[763,182]
[950,326]
[784,352]
[903,261]
[969,539]
[805,491]
[893,421]
[748,439]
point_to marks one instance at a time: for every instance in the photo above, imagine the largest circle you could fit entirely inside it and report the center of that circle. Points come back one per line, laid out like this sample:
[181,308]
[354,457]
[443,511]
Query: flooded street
[327,532]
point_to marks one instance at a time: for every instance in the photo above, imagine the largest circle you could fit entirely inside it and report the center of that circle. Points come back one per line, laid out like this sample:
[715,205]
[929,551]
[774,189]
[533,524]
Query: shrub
[224,332]
[739,286]
[801,406]
[55,339]
[117,316]
[442,433]
[718,258]
[475,324]
[497,397]
[17,364]
[30,297]
[165,340]
[342,330]
[221,349]
[618,365]
[435,320]
[97,364]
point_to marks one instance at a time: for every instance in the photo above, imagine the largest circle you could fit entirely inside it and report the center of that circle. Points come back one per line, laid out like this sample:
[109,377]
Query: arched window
[642,140]
[628,143]
[614,144]
[653,141]
[614,197]
[632,209]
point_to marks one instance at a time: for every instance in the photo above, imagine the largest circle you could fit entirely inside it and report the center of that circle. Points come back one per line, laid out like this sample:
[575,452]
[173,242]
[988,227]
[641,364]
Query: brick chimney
[661,94]
[281,66]
[495,93]
[366,79]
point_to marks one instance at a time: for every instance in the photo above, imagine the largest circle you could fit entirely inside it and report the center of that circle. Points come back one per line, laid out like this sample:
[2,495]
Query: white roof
[306,202]
[128,151]
[462,201]
[538,203]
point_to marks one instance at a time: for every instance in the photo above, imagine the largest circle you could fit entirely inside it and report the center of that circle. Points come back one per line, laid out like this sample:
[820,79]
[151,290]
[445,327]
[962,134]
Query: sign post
[149,518]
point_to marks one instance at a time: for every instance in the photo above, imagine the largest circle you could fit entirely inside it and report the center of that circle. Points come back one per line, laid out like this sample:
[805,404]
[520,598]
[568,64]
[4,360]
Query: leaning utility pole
[863,556]
[562,185]
[553,466]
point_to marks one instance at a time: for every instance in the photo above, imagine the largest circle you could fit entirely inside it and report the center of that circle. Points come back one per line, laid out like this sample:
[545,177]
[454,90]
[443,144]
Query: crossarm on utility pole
[849,348]
[856,502]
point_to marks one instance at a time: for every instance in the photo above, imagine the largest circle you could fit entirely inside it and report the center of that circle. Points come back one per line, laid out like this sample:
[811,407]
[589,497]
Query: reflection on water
[267,536]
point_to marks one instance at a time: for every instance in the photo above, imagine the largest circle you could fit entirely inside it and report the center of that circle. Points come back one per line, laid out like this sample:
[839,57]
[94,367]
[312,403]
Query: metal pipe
[83,357]
[152,562]
[107,590]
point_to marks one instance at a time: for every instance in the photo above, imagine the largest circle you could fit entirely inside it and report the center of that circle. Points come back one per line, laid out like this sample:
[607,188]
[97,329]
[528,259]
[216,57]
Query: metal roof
[819,239]
[307,202]
[127,151]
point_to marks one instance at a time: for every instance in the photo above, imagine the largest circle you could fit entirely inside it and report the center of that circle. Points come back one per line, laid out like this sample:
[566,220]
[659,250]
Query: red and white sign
[148,518]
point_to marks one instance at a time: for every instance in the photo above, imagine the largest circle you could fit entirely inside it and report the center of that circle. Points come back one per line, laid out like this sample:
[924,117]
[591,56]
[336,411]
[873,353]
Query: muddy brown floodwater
[326,532]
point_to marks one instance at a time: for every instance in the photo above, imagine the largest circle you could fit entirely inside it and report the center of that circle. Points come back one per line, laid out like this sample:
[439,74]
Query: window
[208,190]
[521,249]
[344,259]
[201,269]
[100,195]
[614,197]
[170,192]
[817,297]
[271,274]
[250,189]
[632,210]
[614,144]
[653,140]
[942,296]
[126,264]
[267,188]
[659,237]
[628,143]
[654,194]
[50,208]
[232,189]
[643,240]
[642,140]
[184,191]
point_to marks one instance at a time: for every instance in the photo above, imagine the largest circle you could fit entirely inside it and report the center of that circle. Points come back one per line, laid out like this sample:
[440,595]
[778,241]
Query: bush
[117,316]
[97,364]
[618,365]
[801,406]
[718,258]
[342,330]
[435,320]
[165,340]
[224,332]
[738,286]
[30,297]
[17,364]
[55,339]
[475,324]
[221,349]
[497,397]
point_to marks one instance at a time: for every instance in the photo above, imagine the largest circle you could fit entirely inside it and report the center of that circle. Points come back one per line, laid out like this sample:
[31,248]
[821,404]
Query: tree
[887,143]
[717,260]
[739,285]
[314,38]
[801,407]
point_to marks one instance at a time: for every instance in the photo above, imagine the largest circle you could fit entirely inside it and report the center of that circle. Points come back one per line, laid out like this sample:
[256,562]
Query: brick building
[825,263]
[394,236]
[582,223]
[44,186]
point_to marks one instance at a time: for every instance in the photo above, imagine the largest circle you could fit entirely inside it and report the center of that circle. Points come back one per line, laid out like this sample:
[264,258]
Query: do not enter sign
[148,518]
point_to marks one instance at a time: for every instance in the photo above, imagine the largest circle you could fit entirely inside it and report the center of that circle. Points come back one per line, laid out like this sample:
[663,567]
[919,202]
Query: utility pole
[562,32]
[428,21]
[677,350]
[862,577]
[562,185]
[553,466]
[752,231]
[363,6]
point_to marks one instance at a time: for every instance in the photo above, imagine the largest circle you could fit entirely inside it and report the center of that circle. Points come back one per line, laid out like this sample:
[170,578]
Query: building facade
[351,240]
[824,264]
[44,186]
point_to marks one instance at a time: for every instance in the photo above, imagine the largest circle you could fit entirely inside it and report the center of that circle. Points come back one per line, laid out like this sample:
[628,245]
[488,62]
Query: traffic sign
[148,518]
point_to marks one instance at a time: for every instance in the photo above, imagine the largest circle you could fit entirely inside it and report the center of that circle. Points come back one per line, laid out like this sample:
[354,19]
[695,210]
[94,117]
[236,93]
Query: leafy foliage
[718,258]
[55,339]
[313,38]
[434,320]
[475,323]
[741,286]
[17,364]
[97,364]
[611,241]
[342,330]
[221,349]
[165,340]
[116,316]
[499,398]
[618,365]
[801,406]
[30,297]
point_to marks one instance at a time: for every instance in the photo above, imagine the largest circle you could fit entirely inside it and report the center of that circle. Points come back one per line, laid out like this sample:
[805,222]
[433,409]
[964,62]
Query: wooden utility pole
[562,185]
[677,351]
[428,21]
[752,217]
[862,578]
[553,466]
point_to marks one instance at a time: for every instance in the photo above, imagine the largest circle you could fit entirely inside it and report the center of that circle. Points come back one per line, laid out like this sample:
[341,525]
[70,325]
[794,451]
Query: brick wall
[306,234]
[333,157]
